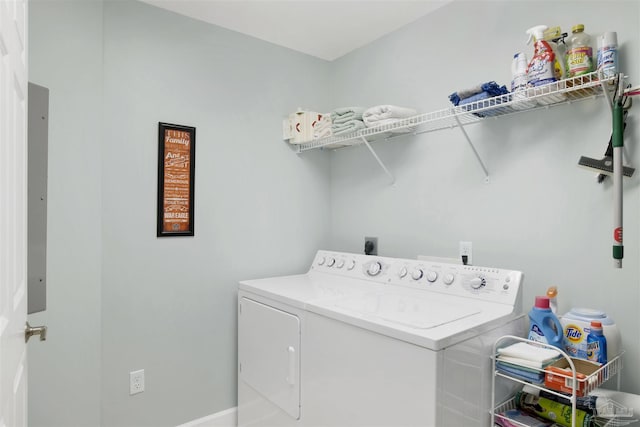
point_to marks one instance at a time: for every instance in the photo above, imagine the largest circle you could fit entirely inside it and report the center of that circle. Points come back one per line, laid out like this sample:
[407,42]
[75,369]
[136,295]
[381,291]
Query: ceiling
[326,29]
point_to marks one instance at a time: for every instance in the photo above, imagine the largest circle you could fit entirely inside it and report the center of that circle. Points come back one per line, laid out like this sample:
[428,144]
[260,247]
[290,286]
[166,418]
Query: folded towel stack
[346,120]
[477,93]
[322,127]
[381,115]
[526,361]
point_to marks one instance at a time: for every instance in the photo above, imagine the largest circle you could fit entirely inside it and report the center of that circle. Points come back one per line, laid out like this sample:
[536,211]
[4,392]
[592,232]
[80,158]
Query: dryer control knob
[417,274]
[351,264]
[340,263]
[331,261]
[477,282]
[448,279]
[432,276]
[403,272]
[321,261]
[374,268]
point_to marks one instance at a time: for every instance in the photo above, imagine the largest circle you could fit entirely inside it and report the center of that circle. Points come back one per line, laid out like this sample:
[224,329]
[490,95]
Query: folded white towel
[522,362]
[386,112]
[533,353]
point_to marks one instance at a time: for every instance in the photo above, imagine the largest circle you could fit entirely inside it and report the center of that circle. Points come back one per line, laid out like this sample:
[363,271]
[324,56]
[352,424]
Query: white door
[13,212]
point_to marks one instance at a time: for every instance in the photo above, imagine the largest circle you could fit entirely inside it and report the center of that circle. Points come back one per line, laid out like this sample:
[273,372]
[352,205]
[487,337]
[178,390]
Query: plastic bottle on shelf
[608,54]
[544,326]
[555,38]
[552,294]
[519,83]
[541,69]
[579,52]
[596,343]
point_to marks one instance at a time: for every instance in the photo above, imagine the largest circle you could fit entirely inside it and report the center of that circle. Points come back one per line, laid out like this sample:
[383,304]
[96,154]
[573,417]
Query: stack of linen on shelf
[322,126]
[346,120]
[467,98]
[382,115]
[526,361]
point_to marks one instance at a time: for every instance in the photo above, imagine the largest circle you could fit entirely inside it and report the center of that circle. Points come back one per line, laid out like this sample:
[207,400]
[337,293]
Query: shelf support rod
[393,179]
[473,148]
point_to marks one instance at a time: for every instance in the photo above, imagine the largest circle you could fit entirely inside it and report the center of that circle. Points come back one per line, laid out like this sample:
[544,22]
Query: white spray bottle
[541,68]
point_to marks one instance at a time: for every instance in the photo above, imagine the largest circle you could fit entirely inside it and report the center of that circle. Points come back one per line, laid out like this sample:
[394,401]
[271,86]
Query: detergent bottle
[579,52]
[541,69]
[596,343]
[544,326]
[552,293]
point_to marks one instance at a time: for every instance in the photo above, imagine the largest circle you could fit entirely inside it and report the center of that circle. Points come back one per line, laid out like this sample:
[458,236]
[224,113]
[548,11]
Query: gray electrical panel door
[38,128]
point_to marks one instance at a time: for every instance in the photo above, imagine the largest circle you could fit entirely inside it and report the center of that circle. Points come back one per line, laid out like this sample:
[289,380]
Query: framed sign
[176,175]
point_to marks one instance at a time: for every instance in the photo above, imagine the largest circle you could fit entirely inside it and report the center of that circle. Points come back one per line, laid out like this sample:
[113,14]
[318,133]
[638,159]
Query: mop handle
[618,143]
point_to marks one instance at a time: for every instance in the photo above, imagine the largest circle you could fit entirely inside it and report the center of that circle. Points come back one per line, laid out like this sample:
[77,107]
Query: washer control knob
[417,274]
[432,276]
[321,261]
[374,268]
[340,263]
[448,279]
[331,261]
[351,264]
[477,282]
[403,272]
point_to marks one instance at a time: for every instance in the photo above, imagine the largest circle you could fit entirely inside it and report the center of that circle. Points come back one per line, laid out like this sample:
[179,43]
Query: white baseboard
[226,418]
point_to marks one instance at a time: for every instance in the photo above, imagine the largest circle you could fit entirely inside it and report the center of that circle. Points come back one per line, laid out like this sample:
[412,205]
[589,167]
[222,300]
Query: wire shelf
[566,91]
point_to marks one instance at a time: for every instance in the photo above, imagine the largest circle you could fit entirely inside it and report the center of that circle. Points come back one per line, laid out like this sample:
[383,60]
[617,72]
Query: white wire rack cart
[588,384]
[583,87]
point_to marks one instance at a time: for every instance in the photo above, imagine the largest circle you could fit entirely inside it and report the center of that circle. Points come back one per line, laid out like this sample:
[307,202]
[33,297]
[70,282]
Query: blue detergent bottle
[596,343]
[544,326]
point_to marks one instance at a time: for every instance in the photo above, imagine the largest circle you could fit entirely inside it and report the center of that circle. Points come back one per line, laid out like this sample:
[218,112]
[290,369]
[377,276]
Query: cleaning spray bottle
[544,326]
[555,37]
[541,67]
[519,83]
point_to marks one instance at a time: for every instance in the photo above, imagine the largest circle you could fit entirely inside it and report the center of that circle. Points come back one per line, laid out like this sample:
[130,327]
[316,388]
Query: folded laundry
[382,115]
[349,126]
[384,112]
[524,350]
[492,88]
[345,114]
[526,374]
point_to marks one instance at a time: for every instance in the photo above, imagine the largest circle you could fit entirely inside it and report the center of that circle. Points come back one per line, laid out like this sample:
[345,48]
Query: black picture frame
[176,180]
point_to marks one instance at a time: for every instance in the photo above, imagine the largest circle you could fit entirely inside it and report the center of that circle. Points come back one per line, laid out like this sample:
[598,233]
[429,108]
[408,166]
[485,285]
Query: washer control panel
[484,283]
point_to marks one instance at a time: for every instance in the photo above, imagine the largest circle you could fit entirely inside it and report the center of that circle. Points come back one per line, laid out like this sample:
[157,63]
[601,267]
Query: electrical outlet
[371,246]
[466,250]
[136,382]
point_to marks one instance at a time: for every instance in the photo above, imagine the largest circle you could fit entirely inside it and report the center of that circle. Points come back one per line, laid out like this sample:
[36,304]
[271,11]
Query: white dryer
[373,341]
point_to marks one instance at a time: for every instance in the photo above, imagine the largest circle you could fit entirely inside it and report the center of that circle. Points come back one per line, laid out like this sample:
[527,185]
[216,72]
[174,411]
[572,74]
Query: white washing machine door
[269,353]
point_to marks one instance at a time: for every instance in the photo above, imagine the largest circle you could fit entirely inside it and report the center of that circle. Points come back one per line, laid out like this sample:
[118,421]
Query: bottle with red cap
[544,326]
[596,343]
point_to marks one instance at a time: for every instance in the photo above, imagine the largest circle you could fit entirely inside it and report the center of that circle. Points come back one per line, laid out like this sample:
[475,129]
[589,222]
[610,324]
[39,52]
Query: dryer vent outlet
[371,246]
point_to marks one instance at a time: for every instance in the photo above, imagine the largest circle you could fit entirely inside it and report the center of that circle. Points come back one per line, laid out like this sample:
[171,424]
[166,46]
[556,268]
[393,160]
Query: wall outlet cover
[136,382]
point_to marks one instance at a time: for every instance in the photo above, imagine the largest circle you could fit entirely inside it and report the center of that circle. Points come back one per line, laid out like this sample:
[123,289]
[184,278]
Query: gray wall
[65,55]
[167,305]
[540,213]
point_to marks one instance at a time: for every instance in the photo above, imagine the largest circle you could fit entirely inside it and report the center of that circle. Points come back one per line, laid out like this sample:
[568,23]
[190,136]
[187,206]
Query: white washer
[373,341]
